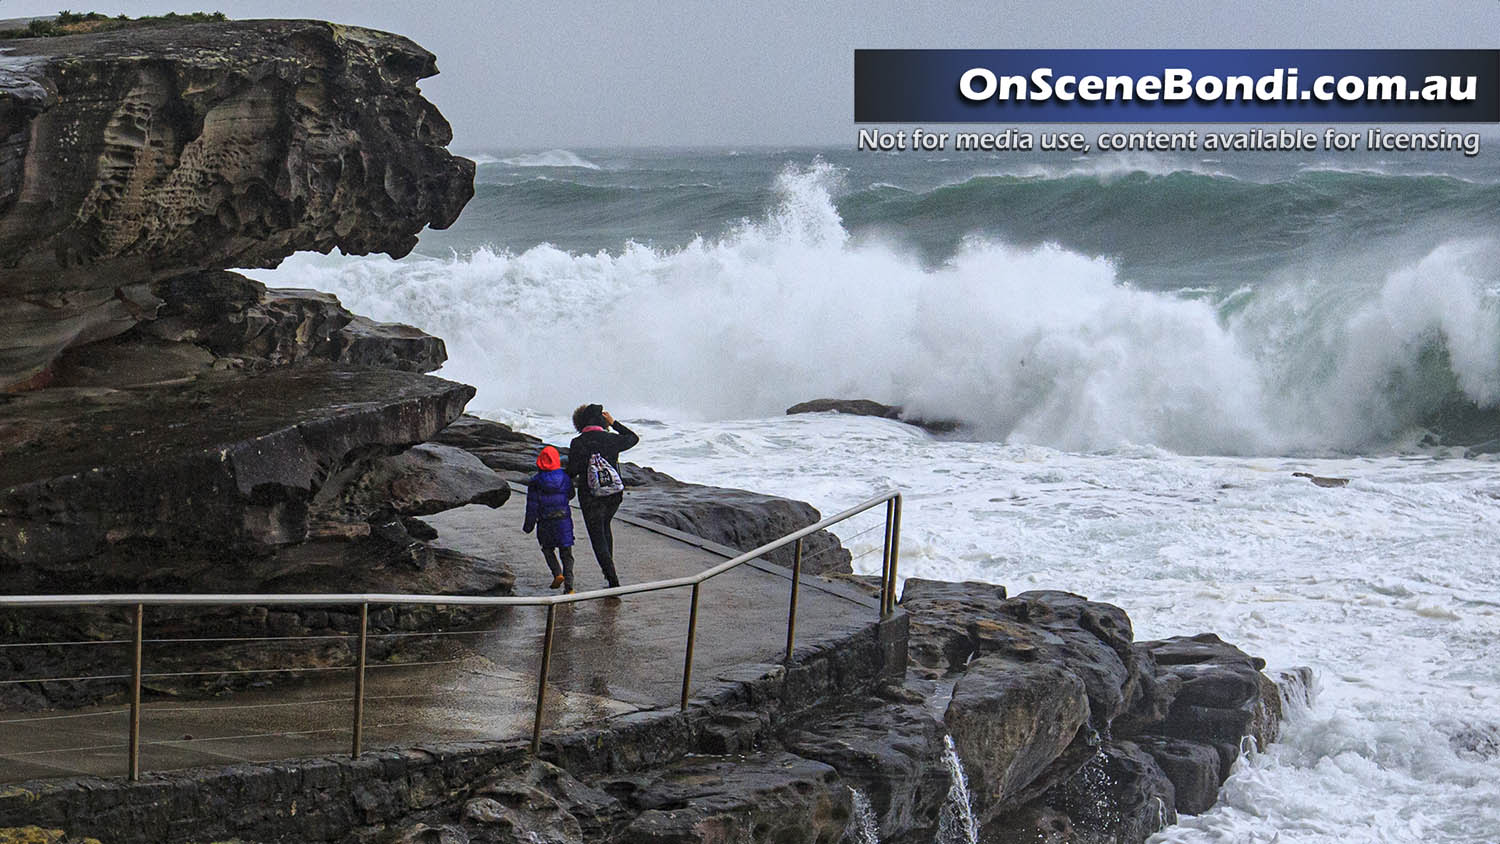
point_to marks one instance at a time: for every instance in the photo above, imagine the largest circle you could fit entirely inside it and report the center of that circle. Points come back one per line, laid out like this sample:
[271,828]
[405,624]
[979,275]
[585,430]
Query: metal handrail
[890,553]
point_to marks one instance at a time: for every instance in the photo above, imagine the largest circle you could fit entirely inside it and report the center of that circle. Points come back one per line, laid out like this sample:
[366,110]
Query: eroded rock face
[423,480]
[942,613]
[240,319]
[129,157]
[227,462]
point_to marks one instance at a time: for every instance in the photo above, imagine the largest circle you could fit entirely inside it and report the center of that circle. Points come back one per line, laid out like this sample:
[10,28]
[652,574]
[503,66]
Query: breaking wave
[550,158]
[1030,342]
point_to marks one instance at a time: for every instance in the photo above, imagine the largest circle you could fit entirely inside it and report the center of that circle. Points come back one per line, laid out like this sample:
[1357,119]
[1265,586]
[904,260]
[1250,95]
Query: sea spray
[864,828]
[1030,344]
[956,821]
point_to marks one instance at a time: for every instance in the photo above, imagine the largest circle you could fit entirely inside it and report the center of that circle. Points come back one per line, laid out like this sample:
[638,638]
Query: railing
[890,554]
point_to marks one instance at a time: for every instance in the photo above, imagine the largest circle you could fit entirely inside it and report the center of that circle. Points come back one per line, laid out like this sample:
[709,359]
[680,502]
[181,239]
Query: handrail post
[359,679]
[692,639]
[890,603]
[135,695]
[885,553]
[541,680]
[791,613]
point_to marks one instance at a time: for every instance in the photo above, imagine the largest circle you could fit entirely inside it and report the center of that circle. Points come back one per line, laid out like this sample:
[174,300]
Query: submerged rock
[1318,480]
[129,157]
[865,407]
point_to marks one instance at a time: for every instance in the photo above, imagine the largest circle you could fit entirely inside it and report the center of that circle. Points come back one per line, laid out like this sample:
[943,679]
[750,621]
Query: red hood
[549,459]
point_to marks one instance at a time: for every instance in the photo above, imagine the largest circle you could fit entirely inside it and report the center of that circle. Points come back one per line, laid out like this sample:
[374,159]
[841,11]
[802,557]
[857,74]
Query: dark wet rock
[418,529]
[1090,639]
[764,797]
[130,157]
[1189,702]
[1474,740]
[1034,824]
[941,616]
[892,751]
[1119,795]
[736,518]
[1193,768]
[536,802]
[954,622]
[1327,483]
[424,834]
[95,471]
[234,316]
[502,448]
[130,362]
[387,345]
[239,318]
[727,733]
[1269,712]
[1200,649]
[1151,697]
[1482,449]
[1223,695]
[422,480]
[1011,721]
[865,407]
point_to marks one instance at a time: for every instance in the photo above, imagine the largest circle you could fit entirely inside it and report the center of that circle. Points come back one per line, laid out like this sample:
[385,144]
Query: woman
[594,464]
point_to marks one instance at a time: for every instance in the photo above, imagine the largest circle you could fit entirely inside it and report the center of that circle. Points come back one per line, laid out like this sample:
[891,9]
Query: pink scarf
[591,428]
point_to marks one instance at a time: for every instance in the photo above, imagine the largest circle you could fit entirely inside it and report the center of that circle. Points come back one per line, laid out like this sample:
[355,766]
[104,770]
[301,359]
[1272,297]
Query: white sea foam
[1384,587]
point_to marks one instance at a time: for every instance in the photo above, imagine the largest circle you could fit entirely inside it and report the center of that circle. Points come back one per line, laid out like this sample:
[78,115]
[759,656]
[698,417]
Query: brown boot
[557,581]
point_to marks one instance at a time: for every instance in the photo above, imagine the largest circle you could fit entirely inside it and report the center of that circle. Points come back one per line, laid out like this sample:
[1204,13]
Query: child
[547,510]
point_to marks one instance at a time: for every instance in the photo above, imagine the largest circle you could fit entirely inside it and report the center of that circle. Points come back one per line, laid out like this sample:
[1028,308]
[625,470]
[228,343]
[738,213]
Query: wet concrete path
[610,657]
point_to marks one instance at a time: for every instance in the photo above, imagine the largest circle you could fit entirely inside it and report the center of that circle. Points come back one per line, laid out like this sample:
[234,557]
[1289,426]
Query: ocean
[1142,350]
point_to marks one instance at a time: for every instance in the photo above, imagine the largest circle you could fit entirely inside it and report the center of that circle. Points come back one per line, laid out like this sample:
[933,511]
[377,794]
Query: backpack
[603,478]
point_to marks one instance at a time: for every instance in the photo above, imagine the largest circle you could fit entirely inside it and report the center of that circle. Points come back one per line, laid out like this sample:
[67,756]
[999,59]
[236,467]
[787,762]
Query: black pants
[566,569]
[597,513]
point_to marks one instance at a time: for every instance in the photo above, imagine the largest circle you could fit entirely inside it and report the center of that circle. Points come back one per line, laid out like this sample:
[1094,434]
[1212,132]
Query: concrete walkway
[610,657]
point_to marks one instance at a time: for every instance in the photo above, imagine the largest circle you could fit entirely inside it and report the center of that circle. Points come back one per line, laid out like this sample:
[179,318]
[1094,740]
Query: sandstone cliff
[168,425]
[130,157]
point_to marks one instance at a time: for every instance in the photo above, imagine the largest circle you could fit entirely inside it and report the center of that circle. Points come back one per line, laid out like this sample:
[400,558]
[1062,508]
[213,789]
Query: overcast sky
[532,75]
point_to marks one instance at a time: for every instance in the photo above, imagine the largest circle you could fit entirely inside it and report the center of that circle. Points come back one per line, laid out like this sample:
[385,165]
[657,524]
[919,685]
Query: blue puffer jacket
[547,510]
